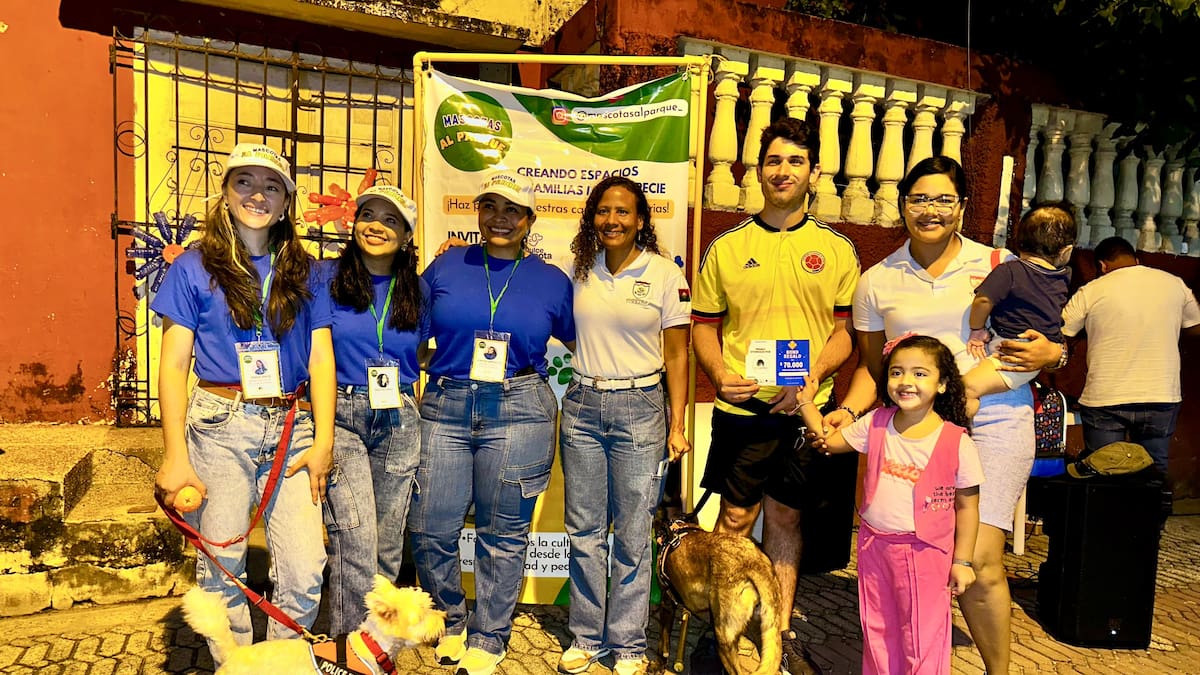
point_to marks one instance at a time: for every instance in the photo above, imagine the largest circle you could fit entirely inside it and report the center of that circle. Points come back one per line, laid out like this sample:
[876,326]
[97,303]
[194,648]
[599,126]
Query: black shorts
[765,455]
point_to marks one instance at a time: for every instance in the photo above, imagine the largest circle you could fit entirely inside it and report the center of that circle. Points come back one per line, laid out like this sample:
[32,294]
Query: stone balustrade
[1148,196]
[933,115]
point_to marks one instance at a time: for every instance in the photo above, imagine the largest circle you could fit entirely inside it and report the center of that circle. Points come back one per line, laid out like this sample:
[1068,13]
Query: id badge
[258,363]
[489,358]
[383,384]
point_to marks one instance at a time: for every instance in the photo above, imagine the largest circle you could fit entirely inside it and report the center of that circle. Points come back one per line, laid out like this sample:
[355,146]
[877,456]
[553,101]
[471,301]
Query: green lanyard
[266,289]
[378,321]
[495,299]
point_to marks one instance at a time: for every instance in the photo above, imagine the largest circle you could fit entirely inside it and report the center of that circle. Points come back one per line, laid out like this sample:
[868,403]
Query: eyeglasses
[943,204]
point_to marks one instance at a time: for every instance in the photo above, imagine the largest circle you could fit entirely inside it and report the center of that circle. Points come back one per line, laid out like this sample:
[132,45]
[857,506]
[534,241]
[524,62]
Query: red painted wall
[1000,126]
[56,262]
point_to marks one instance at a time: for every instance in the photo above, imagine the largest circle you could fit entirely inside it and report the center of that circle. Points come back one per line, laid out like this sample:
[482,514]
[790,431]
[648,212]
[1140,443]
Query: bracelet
[1062,360]
[852,413]
[964,563]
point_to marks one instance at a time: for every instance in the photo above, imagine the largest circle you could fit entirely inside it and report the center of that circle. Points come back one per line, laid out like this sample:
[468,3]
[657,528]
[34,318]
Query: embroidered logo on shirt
[814,262]
[641,291]
[685,295]
[750,264]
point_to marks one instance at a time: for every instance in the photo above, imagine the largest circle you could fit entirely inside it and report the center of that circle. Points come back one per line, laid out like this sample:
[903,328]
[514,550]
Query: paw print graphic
[560,368]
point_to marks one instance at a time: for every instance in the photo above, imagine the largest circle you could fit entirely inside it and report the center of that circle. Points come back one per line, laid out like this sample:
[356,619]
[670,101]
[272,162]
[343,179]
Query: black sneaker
[796,659]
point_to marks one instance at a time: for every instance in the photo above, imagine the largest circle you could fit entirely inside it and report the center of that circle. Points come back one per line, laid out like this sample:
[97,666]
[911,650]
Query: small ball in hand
[188,499]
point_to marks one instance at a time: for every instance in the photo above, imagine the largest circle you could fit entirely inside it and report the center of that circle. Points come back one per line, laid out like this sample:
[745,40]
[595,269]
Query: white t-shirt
[1132,316]
[897,295]
[619,320]
[891,509]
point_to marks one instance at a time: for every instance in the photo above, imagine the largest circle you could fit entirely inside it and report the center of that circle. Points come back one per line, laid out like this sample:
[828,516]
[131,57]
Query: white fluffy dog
[397,618]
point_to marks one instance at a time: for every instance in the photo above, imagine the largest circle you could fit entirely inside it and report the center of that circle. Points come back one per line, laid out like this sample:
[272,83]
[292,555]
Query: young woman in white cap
[244,301]
[379,324]
[487,419]
[632,314]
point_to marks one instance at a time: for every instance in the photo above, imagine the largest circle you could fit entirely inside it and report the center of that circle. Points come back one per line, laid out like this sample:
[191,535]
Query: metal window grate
[180,104]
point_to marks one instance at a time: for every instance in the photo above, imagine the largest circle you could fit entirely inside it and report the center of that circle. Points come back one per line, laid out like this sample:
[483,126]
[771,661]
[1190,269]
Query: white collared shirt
[897,295]
[619,320]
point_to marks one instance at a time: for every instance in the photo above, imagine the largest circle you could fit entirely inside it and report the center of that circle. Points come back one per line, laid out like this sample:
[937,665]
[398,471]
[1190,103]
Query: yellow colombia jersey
[766,284]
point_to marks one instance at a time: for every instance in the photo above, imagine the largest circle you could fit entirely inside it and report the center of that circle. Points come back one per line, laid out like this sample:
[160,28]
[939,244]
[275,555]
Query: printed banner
[565,144]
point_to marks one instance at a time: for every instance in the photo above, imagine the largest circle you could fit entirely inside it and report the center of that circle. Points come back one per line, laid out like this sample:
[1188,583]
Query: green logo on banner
[473,131]
[650,121]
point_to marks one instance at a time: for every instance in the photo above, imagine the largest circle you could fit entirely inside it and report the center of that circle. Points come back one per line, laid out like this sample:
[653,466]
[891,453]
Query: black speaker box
[1096,587]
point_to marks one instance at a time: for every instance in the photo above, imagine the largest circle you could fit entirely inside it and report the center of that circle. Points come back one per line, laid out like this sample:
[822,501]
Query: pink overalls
[903,579]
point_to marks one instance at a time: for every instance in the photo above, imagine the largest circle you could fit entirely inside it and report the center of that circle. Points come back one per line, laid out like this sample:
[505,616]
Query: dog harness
[679,529]
[333,657]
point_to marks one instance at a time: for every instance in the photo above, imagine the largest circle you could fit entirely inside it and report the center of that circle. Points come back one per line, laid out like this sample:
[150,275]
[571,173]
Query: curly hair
[950,405]
[586,243]
[227,261]
[352,286]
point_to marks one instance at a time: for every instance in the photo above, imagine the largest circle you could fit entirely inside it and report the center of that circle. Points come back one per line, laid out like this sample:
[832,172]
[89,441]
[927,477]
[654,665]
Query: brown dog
[726,577]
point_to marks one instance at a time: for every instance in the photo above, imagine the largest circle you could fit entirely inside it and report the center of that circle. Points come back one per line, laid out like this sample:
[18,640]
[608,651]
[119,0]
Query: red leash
[194,537]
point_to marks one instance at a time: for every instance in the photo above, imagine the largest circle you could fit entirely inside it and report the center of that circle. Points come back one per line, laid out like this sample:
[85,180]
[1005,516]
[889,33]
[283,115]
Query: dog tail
[206,613]
[771,650]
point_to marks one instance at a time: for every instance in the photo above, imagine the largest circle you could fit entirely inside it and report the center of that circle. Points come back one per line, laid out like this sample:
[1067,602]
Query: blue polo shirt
[189,298]
[355,336]
[536,307]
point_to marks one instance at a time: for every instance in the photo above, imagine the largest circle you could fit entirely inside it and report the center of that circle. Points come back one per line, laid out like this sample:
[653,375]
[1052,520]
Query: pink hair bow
[891,344]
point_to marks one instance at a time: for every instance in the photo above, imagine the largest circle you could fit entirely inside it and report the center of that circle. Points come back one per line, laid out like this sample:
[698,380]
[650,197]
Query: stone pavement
[150,636]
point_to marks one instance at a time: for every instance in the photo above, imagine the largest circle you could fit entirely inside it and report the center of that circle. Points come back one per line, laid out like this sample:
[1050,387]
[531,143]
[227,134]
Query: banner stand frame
[699,67]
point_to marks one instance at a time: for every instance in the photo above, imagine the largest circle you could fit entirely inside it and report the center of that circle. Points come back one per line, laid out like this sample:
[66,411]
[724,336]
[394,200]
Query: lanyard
[266,289]
[378,321]
[495,299]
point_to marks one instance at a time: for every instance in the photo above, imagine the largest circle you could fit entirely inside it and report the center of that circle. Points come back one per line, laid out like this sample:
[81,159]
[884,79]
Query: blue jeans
[490,443]
[1150,425]
[375,456]
[231,448]
[614,458]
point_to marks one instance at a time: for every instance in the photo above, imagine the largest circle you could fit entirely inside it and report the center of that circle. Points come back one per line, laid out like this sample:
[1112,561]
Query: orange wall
[56,261]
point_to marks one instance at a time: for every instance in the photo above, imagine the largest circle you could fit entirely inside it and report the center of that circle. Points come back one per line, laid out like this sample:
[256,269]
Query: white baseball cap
[257,154]
[393,194]
[512,186]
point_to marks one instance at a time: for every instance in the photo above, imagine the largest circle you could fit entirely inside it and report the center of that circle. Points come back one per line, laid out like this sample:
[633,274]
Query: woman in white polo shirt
[632,310]
[926,286]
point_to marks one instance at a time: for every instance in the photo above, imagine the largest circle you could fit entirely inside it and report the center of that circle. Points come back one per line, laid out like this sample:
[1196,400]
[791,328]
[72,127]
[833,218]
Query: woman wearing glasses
[927,286]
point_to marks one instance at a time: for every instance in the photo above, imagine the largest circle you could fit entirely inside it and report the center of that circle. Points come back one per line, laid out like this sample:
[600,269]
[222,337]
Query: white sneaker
[576,660]
[479,662]
[451,648]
